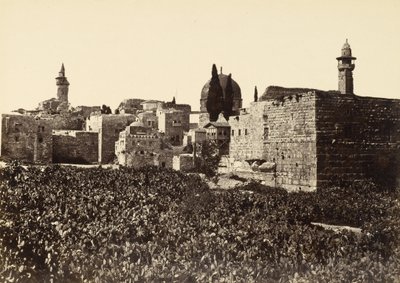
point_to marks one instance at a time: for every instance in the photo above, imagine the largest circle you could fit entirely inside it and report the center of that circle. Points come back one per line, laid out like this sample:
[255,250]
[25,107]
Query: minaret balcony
[346,67]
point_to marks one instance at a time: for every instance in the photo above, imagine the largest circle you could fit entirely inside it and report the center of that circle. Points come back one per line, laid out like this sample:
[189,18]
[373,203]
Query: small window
[245,132]
[233,132]
[240,132]
[40,139]
[266,133]
[16,138]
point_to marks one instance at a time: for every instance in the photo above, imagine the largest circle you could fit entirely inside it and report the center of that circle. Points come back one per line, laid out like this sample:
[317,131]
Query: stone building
[309,137]
[219,131]
[86,111]
[108,127]
[130,106]
[151,105]
[173,105]
[29,138]
[197,135]
[26,138]
[173,124]
[80,147]
[149,119]
[139,145]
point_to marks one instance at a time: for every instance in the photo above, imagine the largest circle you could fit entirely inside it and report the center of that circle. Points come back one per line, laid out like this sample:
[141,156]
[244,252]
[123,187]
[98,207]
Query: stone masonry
[139,145]
[108,126]
[80,147]
[26,138]
[281,130]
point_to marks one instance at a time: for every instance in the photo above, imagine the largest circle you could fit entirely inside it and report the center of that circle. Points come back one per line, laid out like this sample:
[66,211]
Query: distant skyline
[113,50]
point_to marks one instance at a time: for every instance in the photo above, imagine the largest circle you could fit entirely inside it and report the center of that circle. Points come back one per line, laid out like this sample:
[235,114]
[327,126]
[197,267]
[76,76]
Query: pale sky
[159,49]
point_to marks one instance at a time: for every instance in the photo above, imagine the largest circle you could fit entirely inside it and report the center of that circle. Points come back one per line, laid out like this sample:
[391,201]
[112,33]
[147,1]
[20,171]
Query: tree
[215,99]
[255,94]
[105,109]
[173,101]
[207,158]
[228,101]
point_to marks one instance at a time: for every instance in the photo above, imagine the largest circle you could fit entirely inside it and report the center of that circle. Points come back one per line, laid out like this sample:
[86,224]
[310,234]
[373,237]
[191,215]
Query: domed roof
[137,124]
[223,79]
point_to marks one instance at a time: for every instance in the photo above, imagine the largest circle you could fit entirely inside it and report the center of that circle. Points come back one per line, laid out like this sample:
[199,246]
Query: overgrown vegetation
[207,158]
[66,224]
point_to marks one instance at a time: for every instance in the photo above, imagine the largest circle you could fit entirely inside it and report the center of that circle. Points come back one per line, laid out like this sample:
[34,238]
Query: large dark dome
[237,94]
[223,80]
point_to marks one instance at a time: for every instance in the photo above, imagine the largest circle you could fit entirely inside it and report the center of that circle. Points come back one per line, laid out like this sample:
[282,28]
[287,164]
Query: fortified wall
[310,138]
[279,130]
[358,138]
[79,147]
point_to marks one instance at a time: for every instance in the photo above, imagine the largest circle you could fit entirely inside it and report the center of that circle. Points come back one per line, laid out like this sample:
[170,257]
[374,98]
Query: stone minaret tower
[346,67]
[62,83]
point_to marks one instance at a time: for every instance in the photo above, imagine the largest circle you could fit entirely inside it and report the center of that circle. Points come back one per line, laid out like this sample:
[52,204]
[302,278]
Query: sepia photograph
[199,141]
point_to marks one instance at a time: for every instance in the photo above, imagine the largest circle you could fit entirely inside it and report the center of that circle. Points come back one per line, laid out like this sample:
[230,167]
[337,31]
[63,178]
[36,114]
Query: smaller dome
[137,124]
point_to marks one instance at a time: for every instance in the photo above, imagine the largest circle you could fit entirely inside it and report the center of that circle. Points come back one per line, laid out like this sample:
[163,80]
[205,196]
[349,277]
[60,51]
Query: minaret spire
[346,66]
[62,84]
[62,71]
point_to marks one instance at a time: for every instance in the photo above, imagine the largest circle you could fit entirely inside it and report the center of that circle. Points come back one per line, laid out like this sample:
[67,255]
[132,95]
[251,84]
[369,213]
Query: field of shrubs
[66,224]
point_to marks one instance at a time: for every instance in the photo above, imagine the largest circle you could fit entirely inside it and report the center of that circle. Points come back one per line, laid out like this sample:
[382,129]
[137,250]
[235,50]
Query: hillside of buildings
[295,138]
[302,185]
[66,224]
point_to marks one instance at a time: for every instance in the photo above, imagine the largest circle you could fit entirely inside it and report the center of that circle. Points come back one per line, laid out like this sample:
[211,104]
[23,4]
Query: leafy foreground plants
[64,224]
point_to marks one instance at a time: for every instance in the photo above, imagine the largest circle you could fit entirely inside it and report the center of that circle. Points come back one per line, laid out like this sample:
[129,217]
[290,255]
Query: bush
[207,158]
[66,224]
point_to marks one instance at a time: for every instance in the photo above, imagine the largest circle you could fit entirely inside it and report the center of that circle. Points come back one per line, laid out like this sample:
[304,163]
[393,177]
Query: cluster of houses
[298,138]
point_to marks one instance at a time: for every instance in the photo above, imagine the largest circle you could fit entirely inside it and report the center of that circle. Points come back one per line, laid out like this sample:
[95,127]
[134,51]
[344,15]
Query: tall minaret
[346,67]
[62,83]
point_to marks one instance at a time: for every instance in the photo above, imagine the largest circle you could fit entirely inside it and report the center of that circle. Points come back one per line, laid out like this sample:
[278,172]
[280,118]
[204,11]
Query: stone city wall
[78,147]
[279,130]
[357,138]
